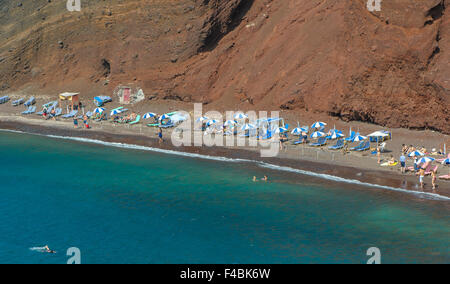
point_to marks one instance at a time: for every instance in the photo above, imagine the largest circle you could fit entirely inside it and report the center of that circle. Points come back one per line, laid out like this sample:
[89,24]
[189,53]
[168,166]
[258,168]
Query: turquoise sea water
[132,206]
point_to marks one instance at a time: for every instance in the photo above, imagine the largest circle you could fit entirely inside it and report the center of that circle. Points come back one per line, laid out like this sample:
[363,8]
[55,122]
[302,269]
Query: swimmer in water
[265,178]
[254,179]
[47,249]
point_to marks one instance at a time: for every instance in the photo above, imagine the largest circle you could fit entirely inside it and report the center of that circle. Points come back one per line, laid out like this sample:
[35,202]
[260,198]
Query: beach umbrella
[164,116]
[212,122]
[149,115]
[240,116]
[297,131]
[359,138]
[280,130]
[202,119]
[416,154]
[229,123]
[99,110]
[318,124]
[248,126]
[336,135]
[317,134]
[424,160]
[115,111]
[446,161]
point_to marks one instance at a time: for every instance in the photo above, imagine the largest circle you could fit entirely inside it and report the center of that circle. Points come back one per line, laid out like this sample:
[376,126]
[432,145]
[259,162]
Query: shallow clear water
[132,206]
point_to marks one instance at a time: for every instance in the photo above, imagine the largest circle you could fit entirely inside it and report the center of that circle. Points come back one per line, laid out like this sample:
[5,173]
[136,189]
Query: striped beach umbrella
[446,161]
[212,122]
[164,116]
[318,134]
[149,115]
[99,110]
[248,126]
[115,111]
[359,138]
[229,123]
[416,154]
[280,130]
[202,119]
[240,116]
[336,135]
[424,160]
[318,124]
[297,131]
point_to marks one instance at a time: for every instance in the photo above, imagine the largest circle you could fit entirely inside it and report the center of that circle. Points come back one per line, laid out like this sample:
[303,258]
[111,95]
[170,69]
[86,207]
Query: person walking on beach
[160,136]
[75,122]
[85,122]
[433,178]
[53,114]
[403,163]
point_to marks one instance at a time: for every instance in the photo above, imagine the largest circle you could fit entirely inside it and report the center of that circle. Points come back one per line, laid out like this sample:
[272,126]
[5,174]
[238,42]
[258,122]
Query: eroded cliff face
[333,56]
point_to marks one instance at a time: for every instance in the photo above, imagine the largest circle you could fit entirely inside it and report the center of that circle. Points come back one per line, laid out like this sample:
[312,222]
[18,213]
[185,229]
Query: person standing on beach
[85,122]
[160,136]
[75,122]
[379,154]
[403,162]
[421,177]
[433,178]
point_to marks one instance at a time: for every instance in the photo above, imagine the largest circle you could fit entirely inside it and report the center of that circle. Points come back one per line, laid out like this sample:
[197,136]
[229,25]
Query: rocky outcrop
[332,56]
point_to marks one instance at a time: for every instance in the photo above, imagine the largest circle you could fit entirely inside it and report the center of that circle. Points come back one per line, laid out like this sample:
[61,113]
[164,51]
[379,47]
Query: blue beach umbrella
[212,122]
[240,116]
[149,115]
[416,154]
[164,116]
[446,161]
[115,111]
[336,135]
[424,160]
[318,124]
[318,134]
[297,131]
[99,110]
[248,126]
[202,119]
[229,123]
[359,138]
[280,130]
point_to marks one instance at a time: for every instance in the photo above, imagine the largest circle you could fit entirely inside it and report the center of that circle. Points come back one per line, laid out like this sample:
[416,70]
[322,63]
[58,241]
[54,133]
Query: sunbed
[300,140]
[446,177]
[352,136]
[58,112]
[31,101]
[4,99]
[321,142]
[18,102]
[70,114]
[364,147]
[361,144]
[339,145]
[30,110]
[138,118]
[101,100]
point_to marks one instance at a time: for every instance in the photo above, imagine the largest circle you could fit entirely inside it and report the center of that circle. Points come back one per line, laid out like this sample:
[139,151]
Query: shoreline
[330,170]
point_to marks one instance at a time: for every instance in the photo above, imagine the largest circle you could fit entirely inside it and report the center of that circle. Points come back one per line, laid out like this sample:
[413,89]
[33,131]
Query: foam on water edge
[427,195]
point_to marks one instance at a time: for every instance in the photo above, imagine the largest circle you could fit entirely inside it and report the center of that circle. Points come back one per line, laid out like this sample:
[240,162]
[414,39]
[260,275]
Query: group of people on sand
[85,122]
[49,115]
[125,119]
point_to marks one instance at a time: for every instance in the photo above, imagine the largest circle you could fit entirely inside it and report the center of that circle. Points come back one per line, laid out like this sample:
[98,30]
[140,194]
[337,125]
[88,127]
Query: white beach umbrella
[416,154]
[149,115]
[116,111]
[317,134]
[164,116]
[337,135]
[297,131]
[99,110]
[424,160]
[359,138]
[229,123]
[248,126]
[212,122]
[318,124]
[202,119]
[240,116]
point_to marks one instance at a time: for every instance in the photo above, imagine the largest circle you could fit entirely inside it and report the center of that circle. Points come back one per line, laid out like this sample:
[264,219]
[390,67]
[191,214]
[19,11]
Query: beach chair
[58,112]
[339,145]
[30,110]
[446,177]
[365,146]
[31,101]
[361,144]
[301,140]
[101,100]
[4,99]
[321,142]
[70,114]
[18,102]
[136,121]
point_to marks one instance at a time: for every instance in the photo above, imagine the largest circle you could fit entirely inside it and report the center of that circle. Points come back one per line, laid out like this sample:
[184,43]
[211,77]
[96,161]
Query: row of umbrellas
[424,160]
